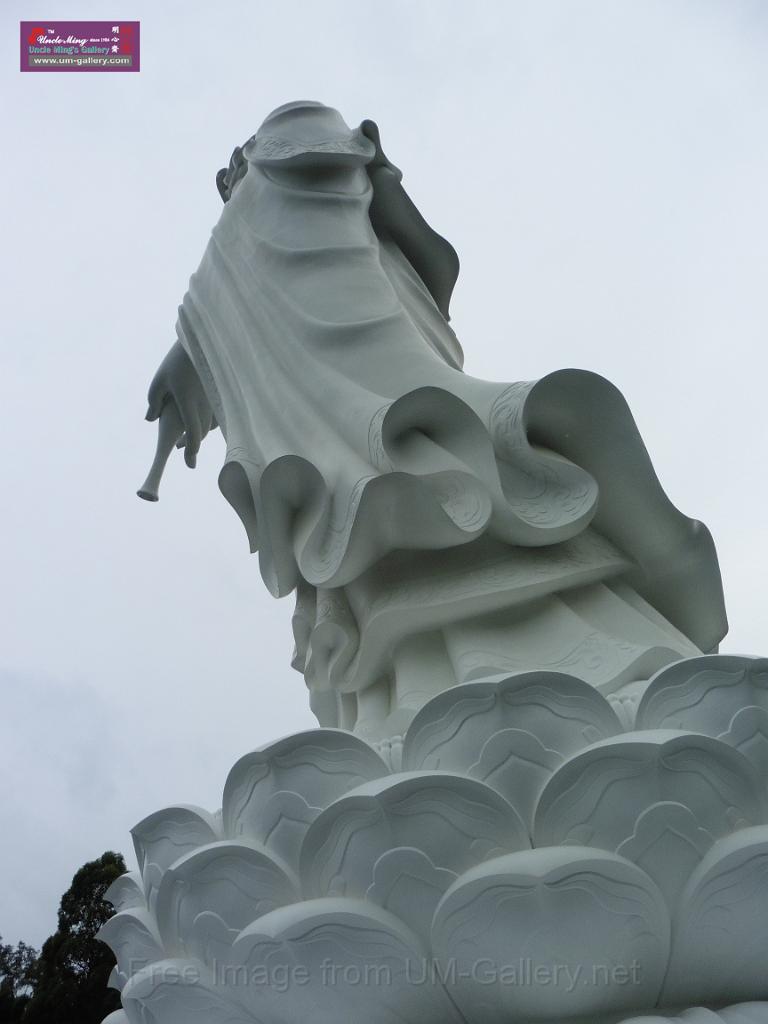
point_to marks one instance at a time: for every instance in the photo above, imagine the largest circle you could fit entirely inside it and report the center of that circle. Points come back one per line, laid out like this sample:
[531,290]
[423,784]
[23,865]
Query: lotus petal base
[536,858]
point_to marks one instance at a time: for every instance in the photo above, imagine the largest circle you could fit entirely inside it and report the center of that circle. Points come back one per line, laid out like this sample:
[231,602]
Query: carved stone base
[537,858]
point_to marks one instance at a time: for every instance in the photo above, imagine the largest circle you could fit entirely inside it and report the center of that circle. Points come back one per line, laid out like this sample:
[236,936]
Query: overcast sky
[601,168]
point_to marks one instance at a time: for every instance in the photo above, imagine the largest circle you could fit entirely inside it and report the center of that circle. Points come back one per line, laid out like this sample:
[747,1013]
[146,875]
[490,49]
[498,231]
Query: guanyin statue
[537,793]
[434,526]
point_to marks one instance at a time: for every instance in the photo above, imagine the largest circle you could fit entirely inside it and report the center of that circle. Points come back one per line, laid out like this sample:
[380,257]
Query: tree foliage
[17,964]
[67,981]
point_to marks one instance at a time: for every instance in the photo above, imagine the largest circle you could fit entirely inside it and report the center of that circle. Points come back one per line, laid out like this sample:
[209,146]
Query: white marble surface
[538,855]
[532,796]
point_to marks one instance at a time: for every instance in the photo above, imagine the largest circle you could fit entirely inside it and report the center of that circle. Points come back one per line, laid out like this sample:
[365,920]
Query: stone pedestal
[535,857]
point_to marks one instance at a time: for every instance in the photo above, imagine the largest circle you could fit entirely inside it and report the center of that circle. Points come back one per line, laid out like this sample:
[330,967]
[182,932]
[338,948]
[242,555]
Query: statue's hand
[177,381]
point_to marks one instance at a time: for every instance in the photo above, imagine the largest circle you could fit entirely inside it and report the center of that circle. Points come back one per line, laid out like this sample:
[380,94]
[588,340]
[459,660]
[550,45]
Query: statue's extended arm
[394,215]
[177,399]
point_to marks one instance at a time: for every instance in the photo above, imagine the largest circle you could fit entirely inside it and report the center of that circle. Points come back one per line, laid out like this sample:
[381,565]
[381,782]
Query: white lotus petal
[748,733]
[550,934]
[207,939]
[163,837]
[703,694]
[224,885]
[126,891]
[407,883]
[335,960]
[117,980]
[517,765]
[182,992]
[721,925]
[273,794]
[511,733]
[454,821]
[133,937]
[118,1017]
[597,797]
[668,843]
[625,702]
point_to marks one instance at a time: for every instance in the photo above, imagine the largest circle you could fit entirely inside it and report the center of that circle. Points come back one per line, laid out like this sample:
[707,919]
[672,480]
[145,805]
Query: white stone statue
[537,792]
[434,526]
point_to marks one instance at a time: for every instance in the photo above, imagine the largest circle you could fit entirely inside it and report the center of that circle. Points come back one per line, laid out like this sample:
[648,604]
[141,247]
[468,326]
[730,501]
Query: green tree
[17,965]
[69,978]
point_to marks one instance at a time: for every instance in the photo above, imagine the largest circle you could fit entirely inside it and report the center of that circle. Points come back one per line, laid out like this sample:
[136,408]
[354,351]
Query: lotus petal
[117,979]
[272,795]
[118,1017]
[668,843]
[333,960]
[511,733]
[550,934]
[208,896]
[163,837]
[706,694]
[721,927]
[126,891]
[182,992]
[133,937]
[454,821]
[625,701]
[748,733]
[407,883]
[598,797]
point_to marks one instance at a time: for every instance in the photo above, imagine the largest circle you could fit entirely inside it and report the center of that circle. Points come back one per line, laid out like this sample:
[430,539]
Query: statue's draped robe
[352,431]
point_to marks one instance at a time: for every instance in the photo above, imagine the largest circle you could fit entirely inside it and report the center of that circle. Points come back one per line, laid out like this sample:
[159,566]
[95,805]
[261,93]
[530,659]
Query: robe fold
[352,431]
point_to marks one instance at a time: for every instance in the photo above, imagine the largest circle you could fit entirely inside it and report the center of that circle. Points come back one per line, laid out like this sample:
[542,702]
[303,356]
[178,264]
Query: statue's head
[304,133]
[299,134]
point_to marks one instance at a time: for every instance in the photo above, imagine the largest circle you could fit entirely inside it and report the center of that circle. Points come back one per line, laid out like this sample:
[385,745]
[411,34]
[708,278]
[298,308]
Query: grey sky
[601,168]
